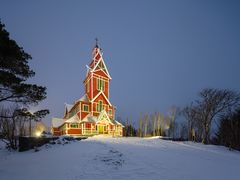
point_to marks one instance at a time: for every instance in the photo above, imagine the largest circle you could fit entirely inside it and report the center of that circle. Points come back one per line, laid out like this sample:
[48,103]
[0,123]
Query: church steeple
[96,46]
[96,55]
[98,77]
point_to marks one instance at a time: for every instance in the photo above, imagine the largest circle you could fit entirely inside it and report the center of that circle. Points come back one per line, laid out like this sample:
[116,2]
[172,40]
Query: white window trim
[99,84]
[98,106]
[83,108]
[74,127]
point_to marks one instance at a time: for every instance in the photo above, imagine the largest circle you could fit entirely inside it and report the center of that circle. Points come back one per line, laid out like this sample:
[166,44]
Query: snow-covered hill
[122,158]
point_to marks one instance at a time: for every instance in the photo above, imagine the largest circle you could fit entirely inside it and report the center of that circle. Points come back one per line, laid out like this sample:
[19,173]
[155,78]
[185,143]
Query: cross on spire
[96,39]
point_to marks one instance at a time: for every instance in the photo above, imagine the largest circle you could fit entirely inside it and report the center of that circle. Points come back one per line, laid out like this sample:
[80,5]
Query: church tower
[96,84]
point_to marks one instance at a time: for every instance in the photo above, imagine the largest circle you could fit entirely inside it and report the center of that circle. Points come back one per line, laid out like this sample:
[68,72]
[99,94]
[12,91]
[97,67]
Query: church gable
[103,118]
[101,73]
[67,109]
[101,97]
[101,66]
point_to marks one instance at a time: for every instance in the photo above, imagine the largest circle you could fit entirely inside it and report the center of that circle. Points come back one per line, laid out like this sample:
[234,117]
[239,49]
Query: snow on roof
[118,123]
[56,122]
[73,119]
[68,106]
[84,98]
[90,118]
[112,121]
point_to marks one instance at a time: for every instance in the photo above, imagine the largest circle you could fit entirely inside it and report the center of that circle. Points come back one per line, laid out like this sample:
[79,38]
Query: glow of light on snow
[38,133]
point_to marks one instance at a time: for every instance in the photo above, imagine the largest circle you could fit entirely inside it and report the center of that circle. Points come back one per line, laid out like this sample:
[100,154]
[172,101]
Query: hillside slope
[122,158]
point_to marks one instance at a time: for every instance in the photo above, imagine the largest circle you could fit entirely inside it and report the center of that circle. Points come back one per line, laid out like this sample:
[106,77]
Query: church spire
[96,39]
[96,54]
[97,62]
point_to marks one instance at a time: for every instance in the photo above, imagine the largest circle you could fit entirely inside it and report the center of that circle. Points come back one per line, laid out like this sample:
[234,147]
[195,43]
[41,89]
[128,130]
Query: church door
[100,129]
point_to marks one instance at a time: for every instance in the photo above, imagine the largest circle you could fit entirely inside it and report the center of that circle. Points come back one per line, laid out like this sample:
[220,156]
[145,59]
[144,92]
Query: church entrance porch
[102,129]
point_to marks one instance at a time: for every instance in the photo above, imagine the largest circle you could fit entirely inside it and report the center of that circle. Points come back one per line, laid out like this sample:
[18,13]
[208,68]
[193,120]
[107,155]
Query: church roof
[94,119]
[56,122]
[84,98]
[118,123]
[90,118]
[97,55]
[68,106]
[73,119]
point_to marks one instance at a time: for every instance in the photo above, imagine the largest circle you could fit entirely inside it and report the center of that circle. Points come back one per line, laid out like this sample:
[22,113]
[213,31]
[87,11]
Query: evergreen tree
[14,90]
[14,71]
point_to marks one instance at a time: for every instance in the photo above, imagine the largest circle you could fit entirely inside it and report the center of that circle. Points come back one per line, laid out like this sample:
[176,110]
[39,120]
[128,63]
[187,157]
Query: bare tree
[140,131]
[8,120]
[183,130]
[158,116]
[173,113]
[213,103]
[154,123]
[146,120]
[166,126]
[13,123]
[190,114]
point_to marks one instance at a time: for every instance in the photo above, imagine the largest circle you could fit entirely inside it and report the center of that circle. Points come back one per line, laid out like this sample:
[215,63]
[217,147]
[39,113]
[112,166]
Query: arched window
[99,106]
[100,84]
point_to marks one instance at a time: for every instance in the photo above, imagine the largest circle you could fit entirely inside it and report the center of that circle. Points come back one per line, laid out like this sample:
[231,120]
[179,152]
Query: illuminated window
[85,108]
[74,125]
[110,112]
[99,106]
[100,84]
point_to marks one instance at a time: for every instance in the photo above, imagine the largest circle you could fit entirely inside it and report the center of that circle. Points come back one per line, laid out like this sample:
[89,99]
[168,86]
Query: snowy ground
[122,158]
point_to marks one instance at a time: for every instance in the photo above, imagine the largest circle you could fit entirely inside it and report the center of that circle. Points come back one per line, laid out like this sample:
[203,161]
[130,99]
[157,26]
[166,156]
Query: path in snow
[123,158]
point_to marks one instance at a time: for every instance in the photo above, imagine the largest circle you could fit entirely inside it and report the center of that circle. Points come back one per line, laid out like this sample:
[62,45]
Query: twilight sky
[159,53]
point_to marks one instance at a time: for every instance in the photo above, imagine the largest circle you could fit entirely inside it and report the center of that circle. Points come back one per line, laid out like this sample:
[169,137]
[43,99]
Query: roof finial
[96,39]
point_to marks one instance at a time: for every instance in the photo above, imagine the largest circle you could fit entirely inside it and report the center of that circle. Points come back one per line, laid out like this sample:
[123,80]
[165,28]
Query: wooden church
[93,113]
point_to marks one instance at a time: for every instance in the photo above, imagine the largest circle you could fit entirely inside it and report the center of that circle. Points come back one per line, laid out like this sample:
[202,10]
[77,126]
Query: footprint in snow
[112,158]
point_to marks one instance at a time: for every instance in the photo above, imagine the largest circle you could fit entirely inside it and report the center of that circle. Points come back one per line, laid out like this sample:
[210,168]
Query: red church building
[93,113]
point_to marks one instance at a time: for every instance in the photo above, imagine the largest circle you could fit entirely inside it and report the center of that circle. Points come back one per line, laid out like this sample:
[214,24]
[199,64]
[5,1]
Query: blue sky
[159,53]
